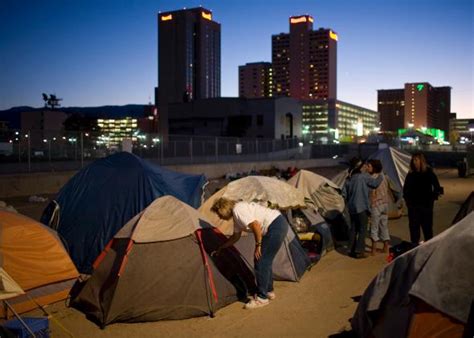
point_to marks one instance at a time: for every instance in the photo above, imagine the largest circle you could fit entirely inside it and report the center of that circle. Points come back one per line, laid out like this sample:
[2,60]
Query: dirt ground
[320,305]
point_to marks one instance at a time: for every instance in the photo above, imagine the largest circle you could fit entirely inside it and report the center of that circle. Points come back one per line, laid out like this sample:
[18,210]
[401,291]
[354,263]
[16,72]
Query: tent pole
[47,314]
[19,318]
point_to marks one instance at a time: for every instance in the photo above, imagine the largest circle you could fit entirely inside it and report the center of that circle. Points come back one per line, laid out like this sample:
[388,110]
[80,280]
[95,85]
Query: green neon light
[436,133]
[420,87]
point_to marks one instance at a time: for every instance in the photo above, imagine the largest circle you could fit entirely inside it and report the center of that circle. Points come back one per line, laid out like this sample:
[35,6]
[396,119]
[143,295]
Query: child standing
[379,200]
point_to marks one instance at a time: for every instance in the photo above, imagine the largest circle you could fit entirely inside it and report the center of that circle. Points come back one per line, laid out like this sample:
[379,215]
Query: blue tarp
[103,196]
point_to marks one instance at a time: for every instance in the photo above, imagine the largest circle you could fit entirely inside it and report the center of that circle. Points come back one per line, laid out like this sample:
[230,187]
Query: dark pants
[271,243]
[420,216]
[358,232]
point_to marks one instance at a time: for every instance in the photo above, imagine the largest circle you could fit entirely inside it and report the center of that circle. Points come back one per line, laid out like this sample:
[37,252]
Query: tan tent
[158,266]
[320,193]
[35,258]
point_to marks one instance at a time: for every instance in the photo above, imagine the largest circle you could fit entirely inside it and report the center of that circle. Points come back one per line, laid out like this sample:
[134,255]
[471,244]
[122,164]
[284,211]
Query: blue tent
[103,196]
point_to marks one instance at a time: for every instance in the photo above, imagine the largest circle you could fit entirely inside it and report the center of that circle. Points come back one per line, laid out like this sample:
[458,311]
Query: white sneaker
[271,295]
[256,303]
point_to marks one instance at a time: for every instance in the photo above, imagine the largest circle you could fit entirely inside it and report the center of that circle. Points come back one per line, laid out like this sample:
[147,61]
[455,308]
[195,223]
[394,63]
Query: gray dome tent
[158,266]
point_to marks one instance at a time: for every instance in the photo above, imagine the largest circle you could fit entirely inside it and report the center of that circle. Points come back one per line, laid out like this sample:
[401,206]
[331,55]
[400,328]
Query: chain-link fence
[40,150]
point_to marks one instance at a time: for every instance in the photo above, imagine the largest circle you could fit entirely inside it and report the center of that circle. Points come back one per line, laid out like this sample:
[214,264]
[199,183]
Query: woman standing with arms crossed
[420,190]
[269,228]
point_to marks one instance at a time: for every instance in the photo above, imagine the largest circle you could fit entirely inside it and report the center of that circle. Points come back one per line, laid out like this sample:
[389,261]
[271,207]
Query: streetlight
[49,148]
[19,146]
[27,136]
[73,140]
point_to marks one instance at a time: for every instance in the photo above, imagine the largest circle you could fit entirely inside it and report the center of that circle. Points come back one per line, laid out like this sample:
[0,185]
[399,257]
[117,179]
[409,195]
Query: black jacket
[421,188]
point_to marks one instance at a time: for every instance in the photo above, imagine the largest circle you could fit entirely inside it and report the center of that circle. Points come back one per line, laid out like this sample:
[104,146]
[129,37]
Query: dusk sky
[101,52]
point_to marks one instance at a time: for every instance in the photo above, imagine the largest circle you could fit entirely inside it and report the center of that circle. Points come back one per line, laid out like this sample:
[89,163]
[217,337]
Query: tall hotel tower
[189,55]
[305,61]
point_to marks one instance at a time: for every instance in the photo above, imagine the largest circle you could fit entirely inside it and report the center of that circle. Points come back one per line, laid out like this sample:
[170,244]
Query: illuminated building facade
[419,105]
[113,131]
[305,61]
[462,130]
[256,80]
[189,55]
[336,121]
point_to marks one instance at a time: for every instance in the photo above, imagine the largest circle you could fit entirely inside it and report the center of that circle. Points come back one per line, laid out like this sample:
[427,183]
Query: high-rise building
[305,61]
[391,106]
[256,80]
[418,105]
[442,108]
[189,55]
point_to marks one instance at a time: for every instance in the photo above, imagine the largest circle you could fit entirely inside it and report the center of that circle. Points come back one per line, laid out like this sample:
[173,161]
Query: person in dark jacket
[420,190]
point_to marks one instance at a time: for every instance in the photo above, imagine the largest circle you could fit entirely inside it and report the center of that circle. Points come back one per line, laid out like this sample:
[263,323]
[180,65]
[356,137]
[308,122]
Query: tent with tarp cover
[159,266]
[291,261]
[324,200]
[320,193]
[93,205]
[426,292]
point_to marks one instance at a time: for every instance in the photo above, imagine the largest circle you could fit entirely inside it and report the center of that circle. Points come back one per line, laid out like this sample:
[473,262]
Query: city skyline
[99,53]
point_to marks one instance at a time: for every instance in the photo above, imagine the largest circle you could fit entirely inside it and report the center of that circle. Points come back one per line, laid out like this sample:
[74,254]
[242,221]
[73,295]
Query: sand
[320,305]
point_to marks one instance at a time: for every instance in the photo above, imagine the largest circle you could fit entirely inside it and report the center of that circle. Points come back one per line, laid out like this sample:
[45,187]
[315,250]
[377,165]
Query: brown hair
[376,165]
[423,164]
[223,208]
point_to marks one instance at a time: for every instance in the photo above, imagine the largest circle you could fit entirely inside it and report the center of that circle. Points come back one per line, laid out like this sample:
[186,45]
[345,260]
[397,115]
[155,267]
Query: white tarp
[277,193]
[265,190]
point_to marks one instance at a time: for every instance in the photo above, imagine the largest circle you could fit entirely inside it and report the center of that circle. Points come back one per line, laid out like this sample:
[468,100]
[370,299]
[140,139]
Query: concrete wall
[51,182]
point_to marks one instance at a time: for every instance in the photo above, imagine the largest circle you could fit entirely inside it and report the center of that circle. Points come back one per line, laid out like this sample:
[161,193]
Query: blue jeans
[271,243]
[358,232]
